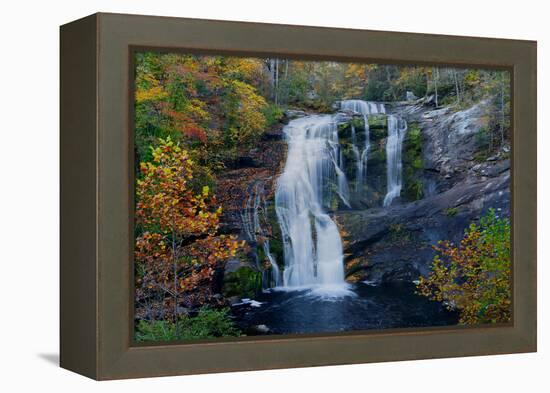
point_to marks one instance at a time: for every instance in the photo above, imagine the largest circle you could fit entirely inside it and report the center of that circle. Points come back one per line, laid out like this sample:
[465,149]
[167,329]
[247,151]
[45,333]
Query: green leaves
[208,323]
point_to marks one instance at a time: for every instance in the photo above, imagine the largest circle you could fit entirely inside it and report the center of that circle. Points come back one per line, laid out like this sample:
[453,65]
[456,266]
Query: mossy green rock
[245,282]
[371,193]
[413,164]
[378,121]
[276,238]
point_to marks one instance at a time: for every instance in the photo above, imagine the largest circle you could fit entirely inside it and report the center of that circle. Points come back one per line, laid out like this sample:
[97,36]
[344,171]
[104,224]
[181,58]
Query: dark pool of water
[366,307]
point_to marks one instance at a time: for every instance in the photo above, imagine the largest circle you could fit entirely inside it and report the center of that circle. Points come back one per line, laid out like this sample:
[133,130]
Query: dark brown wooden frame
[97,195]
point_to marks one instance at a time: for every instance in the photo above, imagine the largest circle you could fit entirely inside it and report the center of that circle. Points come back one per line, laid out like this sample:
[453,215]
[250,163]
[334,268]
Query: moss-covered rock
[371,192]
[413,164]
[377,134]
[244,282]
[377,155]
[345,130]
[378,121]
[358,122]
[276,238]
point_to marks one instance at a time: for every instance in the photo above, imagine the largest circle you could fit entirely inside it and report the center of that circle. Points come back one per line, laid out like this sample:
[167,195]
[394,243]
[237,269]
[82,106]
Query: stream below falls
[365,307]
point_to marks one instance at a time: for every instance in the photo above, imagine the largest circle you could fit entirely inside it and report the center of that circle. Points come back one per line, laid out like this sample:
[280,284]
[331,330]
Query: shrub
[482,138]
[451,212]
[156,331]
[273,114]
[474,277]
[399,233]
[208,323]
[413,191]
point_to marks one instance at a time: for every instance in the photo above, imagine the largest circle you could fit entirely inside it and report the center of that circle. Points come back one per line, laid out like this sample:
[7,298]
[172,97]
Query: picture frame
[96,268]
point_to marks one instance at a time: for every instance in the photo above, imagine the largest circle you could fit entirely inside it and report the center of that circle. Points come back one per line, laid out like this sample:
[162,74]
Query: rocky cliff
[448,182]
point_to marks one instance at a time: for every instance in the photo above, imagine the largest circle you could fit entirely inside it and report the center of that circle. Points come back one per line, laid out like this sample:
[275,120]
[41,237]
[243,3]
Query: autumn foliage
[474,277]
[178,249]
[211,104]
[197,116]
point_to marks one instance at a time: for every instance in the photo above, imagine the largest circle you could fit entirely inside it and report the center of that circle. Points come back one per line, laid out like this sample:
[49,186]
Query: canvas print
[284,196]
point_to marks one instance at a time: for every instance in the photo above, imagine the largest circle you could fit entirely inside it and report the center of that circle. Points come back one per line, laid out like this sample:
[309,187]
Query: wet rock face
[395,244]
[371,190]
[262,163]
[447,184]
[257,166]
[451,142]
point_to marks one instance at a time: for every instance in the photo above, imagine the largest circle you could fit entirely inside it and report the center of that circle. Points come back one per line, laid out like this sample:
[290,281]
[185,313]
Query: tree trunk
[501,113]
[276,81]
[175,266]
[286,68]
[272,76]
[435,78]
[427,84]
[388,79]
[456,87]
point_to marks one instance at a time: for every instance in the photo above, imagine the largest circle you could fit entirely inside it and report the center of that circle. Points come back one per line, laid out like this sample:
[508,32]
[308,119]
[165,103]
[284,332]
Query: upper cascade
[364,108]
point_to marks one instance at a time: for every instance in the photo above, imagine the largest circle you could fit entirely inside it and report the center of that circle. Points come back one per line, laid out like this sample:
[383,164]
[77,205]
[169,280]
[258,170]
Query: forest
[212,161]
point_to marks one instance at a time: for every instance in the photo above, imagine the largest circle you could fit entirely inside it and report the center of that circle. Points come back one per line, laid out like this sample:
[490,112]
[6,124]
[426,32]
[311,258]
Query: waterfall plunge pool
[364,307]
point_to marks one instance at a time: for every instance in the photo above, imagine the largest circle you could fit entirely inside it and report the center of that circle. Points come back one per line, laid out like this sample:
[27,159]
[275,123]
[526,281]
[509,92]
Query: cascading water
[254,231]
[312,244]
[365,108]
[397,127]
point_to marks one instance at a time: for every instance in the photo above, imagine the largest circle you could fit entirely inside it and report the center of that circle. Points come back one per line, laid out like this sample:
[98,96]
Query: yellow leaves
[148,88]
[243,68]
[250,117]
[196,109]
[472,79]
[205,190]
[155,93]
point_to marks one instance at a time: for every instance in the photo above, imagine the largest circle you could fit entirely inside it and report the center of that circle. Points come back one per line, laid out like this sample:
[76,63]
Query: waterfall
[364,108]
[312,177]
[250,217]
[311,242]
[329,130]
[397,127]
[357,156]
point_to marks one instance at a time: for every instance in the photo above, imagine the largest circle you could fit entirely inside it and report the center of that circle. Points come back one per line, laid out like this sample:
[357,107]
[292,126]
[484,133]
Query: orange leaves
[187,121]
[164,200]
[179,250]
